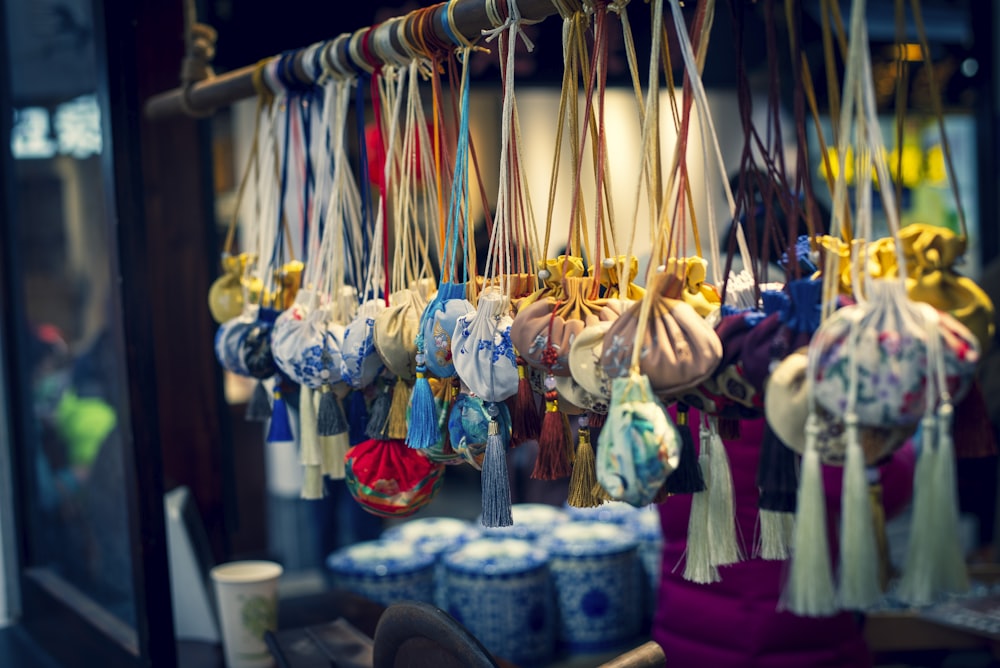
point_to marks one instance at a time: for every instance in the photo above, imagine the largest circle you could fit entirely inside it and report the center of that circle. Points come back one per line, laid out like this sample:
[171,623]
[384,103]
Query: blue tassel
[357,417]
[773,301]
[280,430]
[423,431]
[804,310]
[496,483]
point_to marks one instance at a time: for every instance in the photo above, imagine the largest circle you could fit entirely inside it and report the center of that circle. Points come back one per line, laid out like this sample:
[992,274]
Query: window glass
[75,502]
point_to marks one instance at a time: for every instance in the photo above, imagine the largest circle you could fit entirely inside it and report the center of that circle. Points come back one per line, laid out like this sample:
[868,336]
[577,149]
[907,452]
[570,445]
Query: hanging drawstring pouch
[226,296]
[244,343]
[932,253]
[391,481]
[679,349]
[429,410]
[483,353]
[261,161]
[382,474]
[884,361]
[307,338]
[638,446]
[469,427]
[589,385]
[410,177]
[361,364]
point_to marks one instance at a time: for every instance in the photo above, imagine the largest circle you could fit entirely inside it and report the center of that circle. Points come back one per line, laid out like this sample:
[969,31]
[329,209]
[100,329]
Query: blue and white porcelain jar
[435,536]
[645,526]
[531,520]
[615,512]
[384,571]
[501,590]
[596,571]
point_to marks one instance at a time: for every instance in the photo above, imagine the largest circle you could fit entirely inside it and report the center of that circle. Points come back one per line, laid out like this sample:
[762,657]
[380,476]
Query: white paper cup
[246,594]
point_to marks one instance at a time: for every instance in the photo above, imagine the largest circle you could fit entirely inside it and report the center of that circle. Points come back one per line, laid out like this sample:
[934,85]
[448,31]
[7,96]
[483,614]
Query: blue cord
[460,182]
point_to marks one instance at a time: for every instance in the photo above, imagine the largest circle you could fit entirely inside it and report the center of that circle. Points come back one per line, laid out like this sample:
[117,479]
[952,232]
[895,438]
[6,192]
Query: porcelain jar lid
[496,557]
[584,539]
[379,558]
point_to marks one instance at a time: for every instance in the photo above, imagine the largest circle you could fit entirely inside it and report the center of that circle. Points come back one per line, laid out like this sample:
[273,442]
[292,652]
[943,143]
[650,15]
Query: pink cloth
[735,623]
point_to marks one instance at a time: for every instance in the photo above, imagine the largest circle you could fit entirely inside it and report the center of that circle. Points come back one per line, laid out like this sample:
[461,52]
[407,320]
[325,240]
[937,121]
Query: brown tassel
[554,443]
[972,431]
[596,420]
[886,571]
[662,494]
[584,478]
[526,425]
[395,425]
[729,429]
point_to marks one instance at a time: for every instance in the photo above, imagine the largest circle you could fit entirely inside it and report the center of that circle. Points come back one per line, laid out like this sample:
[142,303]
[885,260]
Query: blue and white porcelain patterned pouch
[438,324]
[360,364]
[482,351]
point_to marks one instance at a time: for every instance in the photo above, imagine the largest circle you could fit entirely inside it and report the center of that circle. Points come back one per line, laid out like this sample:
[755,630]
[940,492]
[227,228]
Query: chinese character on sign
[77,131]
[30,137]
[78,127]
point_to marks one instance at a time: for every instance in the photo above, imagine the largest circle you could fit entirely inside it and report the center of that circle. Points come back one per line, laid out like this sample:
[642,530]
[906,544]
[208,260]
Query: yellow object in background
[225,297]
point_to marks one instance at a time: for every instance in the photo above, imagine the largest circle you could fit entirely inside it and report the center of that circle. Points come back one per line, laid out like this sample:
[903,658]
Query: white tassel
[788,529]
[775,535]
[698,567]
[953,576]
[309,448]
[333,449]
[810,590]
[859,563]
[916,586]
[723,544]
[312,482]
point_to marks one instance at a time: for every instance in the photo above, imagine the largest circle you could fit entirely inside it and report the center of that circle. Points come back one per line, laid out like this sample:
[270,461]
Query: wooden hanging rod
[219,91]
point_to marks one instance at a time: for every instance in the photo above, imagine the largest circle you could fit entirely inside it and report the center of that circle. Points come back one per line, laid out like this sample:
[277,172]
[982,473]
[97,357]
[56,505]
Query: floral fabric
[482,350]
[891,352]
[639,446]
[360,364]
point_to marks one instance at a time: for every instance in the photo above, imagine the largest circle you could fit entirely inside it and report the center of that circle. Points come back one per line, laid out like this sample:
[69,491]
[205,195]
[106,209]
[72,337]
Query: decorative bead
[584,421]
[324,374]
[662,268]
[492,410]
[544,274]
[550,382]
[420,359]
[608,263]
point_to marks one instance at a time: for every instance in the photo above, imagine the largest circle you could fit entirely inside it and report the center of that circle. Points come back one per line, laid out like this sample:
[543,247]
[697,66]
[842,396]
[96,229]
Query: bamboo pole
[222,90]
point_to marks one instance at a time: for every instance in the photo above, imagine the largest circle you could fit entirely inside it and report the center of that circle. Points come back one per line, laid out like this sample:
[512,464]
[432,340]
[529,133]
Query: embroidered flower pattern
[618,352]
[892,373]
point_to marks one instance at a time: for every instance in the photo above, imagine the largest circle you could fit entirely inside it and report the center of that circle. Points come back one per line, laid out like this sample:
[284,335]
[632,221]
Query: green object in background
[84,424]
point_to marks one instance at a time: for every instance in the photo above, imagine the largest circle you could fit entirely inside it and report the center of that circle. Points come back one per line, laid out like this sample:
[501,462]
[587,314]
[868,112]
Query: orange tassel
[553,443]
[525,422]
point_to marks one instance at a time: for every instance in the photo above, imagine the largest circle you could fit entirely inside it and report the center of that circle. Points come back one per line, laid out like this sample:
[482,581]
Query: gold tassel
[885,568]
[583,481]
[396,426]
